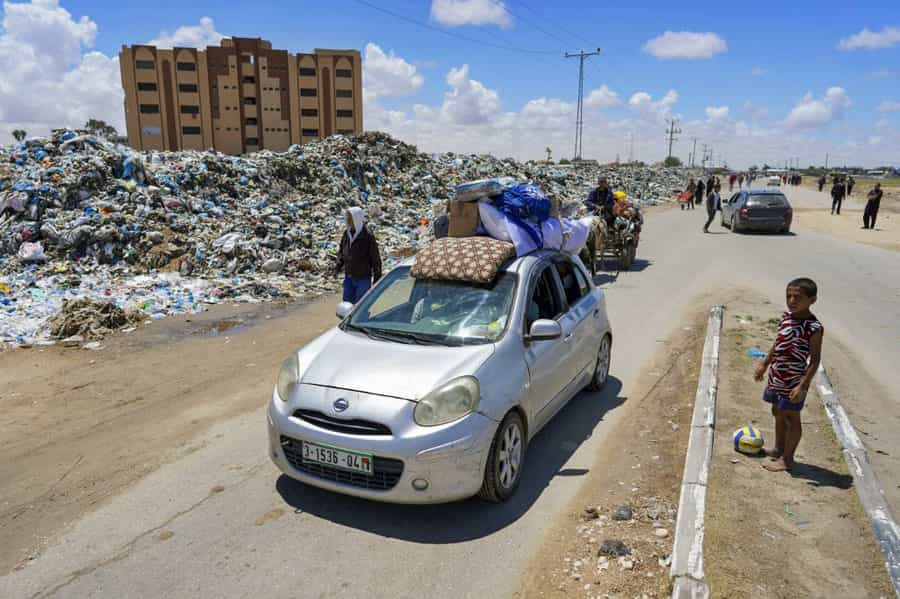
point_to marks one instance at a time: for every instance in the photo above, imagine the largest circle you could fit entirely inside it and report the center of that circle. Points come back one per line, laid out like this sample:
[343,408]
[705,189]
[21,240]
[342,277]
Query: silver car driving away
[429,391]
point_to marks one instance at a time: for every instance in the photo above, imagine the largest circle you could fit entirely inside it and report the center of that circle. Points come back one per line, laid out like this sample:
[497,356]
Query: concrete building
[239,97]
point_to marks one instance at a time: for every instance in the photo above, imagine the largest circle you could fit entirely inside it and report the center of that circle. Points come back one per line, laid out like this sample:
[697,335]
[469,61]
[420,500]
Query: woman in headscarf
[358,256]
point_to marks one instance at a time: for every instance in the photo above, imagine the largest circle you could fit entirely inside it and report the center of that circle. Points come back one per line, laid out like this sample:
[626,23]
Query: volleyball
[748,440]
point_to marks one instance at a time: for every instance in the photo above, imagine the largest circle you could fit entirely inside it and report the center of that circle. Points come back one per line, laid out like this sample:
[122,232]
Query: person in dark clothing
[821,182]
[713,205]
[837,197]
[358,256]
[699,194]
[850,183]
[873,202]
[691,189]
[601,198]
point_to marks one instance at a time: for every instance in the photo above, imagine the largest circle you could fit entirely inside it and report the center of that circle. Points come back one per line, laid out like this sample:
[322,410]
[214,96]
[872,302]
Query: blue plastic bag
[526,202]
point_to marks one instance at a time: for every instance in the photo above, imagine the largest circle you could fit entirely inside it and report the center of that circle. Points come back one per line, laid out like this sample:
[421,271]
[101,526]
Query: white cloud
[602,97]
[685,44]
[889,106]
[811,112]
[47,81]
[875,140]
[389,75]
[716,114]
[758,71]
[658,111]
[468,102]
[756,112]
[455,13]
[871,40]
[189,36]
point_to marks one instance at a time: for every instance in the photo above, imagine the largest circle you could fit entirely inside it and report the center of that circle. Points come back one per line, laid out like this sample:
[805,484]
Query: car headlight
[451,401]
[288,376]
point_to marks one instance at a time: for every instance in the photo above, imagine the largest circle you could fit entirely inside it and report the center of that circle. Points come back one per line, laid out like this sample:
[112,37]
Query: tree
[19,134]
[565,161]
[753,168]
[98,127]
[672,161]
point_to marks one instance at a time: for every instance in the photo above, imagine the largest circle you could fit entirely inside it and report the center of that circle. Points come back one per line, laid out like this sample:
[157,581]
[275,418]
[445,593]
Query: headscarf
[359,220]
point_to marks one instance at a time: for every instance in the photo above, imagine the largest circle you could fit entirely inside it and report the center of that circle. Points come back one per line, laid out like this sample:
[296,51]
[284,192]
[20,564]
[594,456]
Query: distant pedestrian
[837,197]
[821,182]
[699,194]
[713,204]
[792,362]
[358,256]
[741,181]
[731,179]
[850,183]
[690,191]
[873,202]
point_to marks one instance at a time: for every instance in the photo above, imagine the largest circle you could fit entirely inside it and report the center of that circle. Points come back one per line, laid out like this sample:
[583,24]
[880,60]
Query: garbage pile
[86,318]
[168,232]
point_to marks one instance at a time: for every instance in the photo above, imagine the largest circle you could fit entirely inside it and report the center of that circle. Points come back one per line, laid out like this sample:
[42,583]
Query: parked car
[774,180]
[761,210]
[429,391]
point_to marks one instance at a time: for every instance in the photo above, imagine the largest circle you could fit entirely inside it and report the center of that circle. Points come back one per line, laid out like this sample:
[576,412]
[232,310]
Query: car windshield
[767,199]
[408,310]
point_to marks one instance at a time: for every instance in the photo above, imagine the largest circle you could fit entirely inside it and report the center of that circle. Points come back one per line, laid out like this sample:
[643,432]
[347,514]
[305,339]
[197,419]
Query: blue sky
[739,84]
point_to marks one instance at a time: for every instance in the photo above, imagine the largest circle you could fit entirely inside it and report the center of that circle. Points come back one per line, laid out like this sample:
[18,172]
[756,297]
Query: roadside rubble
[159,233]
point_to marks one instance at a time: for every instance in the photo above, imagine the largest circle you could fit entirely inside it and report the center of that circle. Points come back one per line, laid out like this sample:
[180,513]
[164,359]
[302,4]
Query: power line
[453,34]
[505,9]
[579,115]
[557,25]
[671,133]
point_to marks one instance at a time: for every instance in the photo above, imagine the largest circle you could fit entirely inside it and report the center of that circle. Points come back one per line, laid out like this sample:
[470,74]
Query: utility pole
[671,133]
[579,115]
[694,152]
[826,161]
[631,147]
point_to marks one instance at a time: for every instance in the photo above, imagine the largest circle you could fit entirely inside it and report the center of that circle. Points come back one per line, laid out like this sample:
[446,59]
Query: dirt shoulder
[777,534]
[79,426]
[640,469]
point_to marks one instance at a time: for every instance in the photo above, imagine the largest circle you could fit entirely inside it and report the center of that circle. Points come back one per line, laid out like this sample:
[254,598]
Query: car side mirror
[544,330]
[343,310]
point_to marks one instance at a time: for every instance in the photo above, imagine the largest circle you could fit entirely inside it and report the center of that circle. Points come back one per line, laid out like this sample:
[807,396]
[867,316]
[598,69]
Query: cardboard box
[463,218]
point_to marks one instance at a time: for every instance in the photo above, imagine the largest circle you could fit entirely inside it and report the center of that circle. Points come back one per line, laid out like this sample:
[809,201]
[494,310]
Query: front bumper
[451,458]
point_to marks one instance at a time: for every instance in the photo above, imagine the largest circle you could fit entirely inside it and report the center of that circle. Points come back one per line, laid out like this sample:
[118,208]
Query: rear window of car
[766,199]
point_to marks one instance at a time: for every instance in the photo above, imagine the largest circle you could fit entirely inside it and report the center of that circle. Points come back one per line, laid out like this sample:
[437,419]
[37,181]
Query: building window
[187,88]
[345,113]
[308,92]
[144,64]
[188,109]
[190,130]
[345,131]
[151,131]
[250,101]
[251,121]
[248,79]
[309,112]
[252,141]
[146,87]
[186,66]
[149,108]
[344,93]
[345,73]
[307,72]
[310,133]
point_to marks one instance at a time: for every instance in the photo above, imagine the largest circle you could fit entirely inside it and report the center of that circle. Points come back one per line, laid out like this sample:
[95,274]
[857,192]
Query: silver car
[429,391]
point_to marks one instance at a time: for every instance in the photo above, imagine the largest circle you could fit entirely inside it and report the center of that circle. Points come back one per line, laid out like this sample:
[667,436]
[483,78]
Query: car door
[580,308]
[546,360]
[728,207]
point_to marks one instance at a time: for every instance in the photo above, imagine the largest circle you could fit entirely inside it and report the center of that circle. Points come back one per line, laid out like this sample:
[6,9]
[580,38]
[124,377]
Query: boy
[792,364]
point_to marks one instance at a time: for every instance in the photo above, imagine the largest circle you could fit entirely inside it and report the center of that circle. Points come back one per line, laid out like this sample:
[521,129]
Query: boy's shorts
[783,402]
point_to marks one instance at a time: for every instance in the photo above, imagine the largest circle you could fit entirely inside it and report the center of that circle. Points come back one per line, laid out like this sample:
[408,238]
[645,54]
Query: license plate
[338,458]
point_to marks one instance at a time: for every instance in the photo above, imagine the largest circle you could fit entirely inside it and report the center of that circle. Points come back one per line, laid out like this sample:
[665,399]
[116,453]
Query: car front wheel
[601,367]
[505,460]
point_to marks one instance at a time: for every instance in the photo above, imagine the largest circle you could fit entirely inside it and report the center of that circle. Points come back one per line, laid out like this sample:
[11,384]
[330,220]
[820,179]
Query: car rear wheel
[601,367]
[505,460]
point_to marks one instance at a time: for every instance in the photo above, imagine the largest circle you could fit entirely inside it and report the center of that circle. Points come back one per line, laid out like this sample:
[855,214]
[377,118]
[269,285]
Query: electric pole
[671,133]
[694,152]
[579,115]
[631,147]
[826,161]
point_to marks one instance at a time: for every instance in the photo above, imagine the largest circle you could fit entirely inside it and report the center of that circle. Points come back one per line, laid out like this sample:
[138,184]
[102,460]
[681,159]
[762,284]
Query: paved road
[221,522]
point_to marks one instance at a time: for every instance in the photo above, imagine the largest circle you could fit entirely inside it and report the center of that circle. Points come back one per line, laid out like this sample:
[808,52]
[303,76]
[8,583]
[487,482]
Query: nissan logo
[340,404]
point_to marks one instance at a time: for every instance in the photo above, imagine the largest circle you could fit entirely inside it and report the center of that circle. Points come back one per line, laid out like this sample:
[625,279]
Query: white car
[774,180]
[429,391]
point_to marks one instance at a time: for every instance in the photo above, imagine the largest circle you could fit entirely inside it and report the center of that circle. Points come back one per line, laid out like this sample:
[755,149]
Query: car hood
[358,363]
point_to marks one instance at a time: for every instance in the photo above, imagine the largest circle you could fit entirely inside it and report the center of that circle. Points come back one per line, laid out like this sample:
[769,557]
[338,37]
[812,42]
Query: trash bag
[526,202]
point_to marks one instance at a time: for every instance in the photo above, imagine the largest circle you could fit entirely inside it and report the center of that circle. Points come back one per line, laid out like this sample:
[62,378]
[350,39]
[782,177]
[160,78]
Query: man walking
[692,190]
[699,195]
[713,204]
[821,182]
[837,196]
[850,183]
[358,256]
[872,204]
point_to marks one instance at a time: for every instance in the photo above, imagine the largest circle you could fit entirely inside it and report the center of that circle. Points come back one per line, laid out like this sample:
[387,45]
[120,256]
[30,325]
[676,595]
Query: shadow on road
[821,477]
[472,518]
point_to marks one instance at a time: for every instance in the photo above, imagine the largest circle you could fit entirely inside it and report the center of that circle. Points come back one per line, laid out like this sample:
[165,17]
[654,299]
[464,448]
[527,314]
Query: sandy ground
[643,473]
[781,535]
[79,426]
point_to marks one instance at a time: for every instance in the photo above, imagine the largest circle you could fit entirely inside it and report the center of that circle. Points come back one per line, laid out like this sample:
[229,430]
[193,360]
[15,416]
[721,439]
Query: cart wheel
[627,256]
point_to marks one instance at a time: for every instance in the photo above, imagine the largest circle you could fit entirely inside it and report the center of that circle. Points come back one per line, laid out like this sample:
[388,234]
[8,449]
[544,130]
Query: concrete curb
[884,527]
[687,554]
